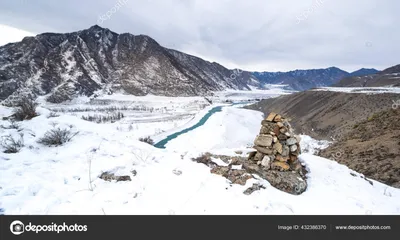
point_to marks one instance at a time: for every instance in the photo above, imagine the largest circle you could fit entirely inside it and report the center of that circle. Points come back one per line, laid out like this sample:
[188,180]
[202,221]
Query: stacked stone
[277,147]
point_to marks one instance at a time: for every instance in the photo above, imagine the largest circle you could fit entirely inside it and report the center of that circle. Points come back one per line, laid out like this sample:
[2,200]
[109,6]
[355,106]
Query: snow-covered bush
[12,145]
[26,109]
[57,136]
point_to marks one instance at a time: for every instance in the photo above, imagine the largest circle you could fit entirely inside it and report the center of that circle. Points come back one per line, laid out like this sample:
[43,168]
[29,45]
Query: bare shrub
[12,145]
[57,137]
[12,125]
[53,115]
[147,140]
[104,118]
[26,109]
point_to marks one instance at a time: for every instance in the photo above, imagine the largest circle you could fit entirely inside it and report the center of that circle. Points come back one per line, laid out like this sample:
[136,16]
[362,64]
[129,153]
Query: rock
[134,172]
[259,163]
[282,137]
[266,151]
[298,138]
[278,147]
[278,118]
[263,140]
[264,130]
[285,151]
[296,153]
[293,148]
[292,158]
[283,130]
[106,176]
[177,172]
[295,166]
[239,152]
[235,161]
[259,156]
[280,124]
[280,166]
[275,139]
[253,188]
[287,134]
[277,130]
[291,141]
[242,179]
[281,158]
[252,154]
[271,117]
[223,171]
[266,162]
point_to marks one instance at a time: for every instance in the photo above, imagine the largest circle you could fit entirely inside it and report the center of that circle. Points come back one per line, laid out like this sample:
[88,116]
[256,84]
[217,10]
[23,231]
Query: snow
[368,90]
[64,179]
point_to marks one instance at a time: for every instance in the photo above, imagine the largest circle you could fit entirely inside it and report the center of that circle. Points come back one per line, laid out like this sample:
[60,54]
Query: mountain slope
[62,66]
[387,77]
[363,72]
[364,126]
[303,79]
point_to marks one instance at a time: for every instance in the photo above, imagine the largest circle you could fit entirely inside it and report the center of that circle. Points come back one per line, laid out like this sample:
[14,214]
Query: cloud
[253,34]
[10,34]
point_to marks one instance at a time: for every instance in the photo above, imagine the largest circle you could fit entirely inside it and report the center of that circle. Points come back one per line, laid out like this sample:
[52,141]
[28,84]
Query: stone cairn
[277,147]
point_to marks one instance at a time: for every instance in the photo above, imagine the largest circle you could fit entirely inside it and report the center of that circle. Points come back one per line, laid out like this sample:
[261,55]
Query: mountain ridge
[64,65]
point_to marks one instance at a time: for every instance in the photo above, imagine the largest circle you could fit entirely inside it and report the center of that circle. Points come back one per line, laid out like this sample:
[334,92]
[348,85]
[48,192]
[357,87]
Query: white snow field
[65,179]
[367,90]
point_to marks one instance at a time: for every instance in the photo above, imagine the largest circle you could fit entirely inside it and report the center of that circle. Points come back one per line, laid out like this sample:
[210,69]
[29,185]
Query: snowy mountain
[303,79]
[387,77]
[61,66]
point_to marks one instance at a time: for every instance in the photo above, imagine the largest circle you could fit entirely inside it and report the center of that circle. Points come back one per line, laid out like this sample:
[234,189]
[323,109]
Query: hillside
[335,116]
[62,66]
[303,79]
[387,77]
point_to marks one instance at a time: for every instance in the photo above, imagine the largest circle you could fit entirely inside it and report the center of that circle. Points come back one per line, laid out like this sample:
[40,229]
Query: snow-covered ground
[368,90]
[64,179]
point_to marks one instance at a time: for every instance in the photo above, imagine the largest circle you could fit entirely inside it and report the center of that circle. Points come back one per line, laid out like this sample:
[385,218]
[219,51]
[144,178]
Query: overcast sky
[262,35]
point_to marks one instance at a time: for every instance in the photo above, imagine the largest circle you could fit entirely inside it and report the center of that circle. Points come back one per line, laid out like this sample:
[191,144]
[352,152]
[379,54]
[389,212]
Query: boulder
[266,151]
[271,117]
[278,147]
[291,141]
[293,148]
[266,162]
[263,140]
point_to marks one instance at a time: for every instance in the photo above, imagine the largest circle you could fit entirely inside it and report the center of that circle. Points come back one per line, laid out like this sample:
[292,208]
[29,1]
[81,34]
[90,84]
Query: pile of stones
[277,146]
[275,159]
